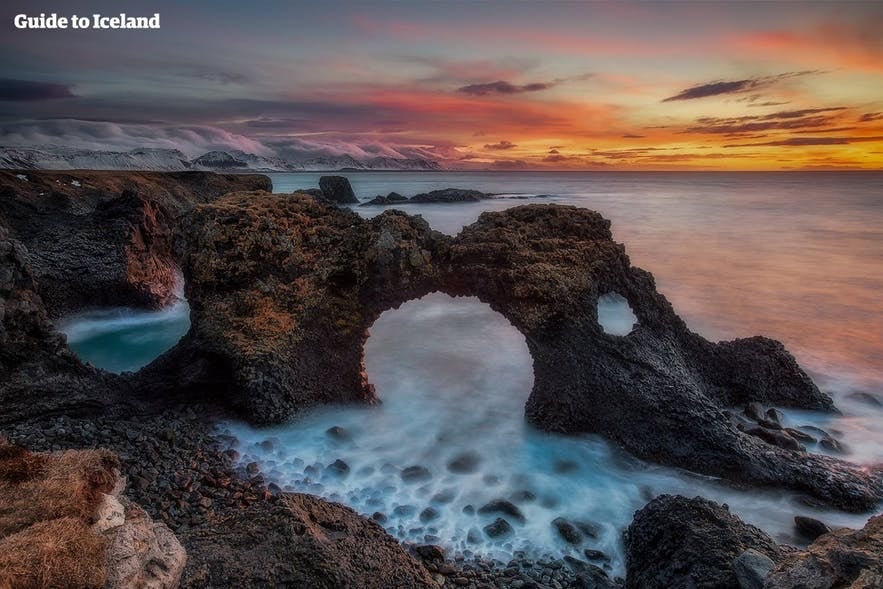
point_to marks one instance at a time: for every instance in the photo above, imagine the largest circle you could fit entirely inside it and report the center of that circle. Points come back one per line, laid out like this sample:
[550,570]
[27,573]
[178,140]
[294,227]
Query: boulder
[810,528]
[498,528]
[299,541]
[502,506]
[390,199]
[143,553]
[679,542]
[449,195]
[337,189]
[841,558]
[751,568]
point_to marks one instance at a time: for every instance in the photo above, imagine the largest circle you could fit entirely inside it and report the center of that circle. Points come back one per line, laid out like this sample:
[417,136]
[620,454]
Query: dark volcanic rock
[299,541]
[413,474]
[567,530]
[337,189]
[499,527]
[810,528]
[446,195]
[466,462]
[390,199]
[449,195]
[842,558]
[866,398]
[752,568]
[679,542]
[504,507]
[105,238]
[39,375]
[284,287]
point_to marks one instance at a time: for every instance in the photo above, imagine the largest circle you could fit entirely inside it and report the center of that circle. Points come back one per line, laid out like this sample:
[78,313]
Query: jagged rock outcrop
[39,375]
[445,195]
[337,189]
[841,558]
[679,542]
[300,541]
[104,238]
[283,288]
[276,322]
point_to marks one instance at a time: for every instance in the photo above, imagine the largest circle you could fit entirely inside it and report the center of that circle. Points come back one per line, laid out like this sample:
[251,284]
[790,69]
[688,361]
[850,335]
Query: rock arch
[283,288]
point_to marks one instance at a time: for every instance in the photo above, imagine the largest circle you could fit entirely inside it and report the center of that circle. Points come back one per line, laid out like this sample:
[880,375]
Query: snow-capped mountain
[172,160]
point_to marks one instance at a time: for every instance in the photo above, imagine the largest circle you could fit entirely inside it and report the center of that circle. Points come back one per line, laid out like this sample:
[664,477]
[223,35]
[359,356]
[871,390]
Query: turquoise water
[793,256]
[124,339]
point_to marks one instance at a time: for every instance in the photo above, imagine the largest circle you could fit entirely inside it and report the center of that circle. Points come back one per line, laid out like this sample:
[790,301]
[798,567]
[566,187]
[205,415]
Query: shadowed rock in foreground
[679,542]
[301,541]
[283,289]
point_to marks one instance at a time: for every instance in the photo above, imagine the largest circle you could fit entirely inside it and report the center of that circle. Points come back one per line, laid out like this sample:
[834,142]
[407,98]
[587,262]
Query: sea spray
[450,437]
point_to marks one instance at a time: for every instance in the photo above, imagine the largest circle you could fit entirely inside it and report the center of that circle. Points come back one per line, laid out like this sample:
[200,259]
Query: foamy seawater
[792,256]
[453,377]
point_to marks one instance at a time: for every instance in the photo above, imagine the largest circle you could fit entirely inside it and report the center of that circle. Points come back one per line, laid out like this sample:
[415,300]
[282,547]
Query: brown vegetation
[47,503]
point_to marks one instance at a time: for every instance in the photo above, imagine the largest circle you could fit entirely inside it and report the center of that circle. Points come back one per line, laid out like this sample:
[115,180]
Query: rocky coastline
[282,289]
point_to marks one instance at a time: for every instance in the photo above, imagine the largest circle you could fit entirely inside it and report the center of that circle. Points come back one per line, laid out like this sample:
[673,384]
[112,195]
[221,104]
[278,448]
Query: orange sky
[499,85]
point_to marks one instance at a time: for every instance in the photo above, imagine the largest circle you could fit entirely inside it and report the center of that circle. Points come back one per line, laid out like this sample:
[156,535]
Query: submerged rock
[504,507]
[449,195]
[866,398]
[446,195]
[464,463]
[413,474]
[498,528]
[567,531]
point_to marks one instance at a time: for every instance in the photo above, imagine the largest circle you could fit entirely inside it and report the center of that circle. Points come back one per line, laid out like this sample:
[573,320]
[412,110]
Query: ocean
[794,256]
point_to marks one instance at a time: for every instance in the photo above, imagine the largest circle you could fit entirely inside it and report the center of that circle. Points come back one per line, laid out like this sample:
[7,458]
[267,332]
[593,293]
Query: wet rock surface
[284,287]
[679,542]
[337,189]
[445,195]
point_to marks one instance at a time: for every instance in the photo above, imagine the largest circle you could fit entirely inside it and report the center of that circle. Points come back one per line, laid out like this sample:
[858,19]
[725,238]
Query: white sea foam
[615,315]
[453,376]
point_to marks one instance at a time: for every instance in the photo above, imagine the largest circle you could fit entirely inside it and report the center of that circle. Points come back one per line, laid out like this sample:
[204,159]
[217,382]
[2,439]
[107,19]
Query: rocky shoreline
[282,289]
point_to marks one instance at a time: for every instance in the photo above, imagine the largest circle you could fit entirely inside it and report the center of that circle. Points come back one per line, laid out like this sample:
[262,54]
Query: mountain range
[173,160]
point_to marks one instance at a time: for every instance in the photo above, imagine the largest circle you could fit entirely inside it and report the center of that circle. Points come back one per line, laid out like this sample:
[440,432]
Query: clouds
[28,91]
[500,145]
[719,88]
[502,87]
[809,118]
[193,140]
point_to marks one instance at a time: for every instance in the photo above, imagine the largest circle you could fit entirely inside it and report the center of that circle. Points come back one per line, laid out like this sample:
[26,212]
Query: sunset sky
[501,85]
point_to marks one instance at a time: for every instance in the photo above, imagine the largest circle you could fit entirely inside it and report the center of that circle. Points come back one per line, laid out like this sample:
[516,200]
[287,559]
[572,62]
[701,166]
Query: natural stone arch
[284,287]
